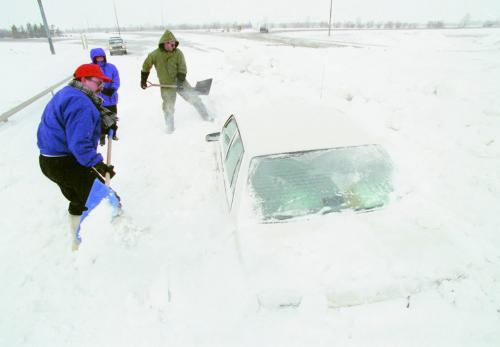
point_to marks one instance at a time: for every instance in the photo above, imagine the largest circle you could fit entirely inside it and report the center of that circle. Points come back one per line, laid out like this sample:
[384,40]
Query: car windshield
[291,185]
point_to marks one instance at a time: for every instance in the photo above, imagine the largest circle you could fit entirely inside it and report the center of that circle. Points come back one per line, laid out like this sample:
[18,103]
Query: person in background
[171,69]
[109,92]
[68,136]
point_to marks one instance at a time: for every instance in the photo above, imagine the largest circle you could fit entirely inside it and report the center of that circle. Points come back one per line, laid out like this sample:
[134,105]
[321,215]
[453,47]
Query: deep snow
[167,272]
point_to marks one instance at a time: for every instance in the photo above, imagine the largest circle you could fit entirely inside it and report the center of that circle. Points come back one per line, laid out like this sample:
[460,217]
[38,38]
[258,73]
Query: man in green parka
[170,66]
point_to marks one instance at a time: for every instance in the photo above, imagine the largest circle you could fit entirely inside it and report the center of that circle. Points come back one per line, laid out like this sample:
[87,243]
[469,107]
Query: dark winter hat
[90,70]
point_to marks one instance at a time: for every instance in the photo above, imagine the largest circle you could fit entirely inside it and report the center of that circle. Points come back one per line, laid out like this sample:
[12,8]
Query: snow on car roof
[297,126]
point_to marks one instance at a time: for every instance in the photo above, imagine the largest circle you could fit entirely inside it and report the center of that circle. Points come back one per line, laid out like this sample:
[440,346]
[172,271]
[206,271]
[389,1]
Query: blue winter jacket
[70,125]
[110,71]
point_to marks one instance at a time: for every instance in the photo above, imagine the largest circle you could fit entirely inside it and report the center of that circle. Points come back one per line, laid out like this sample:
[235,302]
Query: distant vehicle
[264,30]
[284,170]
[117,45]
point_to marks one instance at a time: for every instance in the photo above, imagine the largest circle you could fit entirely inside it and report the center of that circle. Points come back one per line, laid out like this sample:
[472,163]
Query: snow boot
[74,222]
[169,123]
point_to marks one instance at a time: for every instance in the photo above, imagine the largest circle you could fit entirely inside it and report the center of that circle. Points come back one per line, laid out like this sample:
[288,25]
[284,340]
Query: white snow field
[167,272]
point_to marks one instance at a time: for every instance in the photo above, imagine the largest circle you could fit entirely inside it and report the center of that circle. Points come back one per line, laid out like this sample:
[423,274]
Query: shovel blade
[98,193]
[203,87]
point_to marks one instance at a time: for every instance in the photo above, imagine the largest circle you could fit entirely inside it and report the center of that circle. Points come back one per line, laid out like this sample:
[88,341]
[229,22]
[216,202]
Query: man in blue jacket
[68,136]
[109,91]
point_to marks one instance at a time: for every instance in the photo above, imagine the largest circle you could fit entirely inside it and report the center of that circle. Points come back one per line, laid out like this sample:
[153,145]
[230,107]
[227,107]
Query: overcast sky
[83,13]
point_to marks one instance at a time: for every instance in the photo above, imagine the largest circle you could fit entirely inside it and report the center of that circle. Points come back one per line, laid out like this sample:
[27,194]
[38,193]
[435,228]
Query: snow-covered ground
[167,271]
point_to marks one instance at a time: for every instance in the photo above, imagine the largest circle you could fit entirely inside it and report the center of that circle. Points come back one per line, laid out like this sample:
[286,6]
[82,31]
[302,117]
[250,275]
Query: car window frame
[231,120]
[230,182]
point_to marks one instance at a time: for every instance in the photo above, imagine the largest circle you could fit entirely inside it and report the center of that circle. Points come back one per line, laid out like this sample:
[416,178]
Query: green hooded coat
[167,64]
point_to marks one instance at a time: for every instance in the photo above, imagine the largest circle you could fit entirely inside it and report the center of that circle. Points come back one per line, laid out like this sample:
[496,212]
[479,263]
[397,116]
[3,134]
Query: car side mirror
[212,137]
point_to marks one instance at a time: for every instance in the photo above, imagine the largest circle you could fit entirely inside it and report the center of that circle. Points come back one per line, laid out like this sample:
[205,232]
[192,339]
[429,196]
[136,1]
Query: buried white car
[310,196]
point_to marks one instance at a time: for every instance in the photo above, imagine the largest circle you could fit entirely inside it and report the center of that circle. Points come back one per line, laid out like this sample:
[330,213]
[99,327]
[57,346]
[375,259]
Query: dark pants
[74,180]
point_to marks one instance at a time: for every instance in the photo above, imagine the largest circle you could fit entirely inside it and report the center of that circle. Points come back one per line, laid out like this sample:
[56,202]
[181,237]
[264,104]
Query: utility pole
[330,21]
[116,16]
[47,30]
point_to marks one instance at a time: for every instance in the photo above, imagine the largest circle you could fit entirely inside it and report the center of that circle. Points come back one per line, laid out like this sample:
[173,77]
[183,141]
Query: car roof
[280,127]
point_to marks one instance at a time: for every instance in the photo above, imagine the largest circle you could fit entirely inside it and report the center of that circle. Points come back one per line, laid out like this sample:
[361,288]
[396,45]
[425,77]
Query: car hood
[350,258]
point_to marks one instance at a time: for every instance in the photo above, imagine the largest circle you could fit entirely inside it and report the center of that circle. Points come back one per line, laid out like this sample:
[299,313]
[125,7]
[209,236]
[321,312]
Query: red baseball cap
[90,70]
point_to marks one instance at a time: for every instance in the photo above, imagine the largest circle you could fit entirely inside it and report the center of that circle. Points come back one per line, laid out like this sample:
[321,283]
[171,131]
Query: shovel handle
[107,177]
[149,84]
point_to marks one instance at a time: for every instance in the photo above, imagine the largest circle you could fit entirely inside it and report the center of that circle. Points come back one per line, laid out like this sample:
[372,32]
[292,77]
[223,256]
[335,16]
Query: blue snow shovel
[101,191]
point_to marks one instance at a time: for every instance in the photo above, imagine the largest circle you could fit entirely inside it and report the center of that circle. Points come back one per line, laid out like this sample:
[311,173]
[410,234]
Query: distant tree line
[205,26]
[234,26]
[31,31]
[491,24]
[436,24]
[5,33]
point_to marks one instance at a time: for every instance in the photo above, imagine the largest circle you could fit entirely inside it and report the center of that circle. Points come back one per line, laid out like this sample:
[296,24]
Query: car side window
[228,132]
[232,162]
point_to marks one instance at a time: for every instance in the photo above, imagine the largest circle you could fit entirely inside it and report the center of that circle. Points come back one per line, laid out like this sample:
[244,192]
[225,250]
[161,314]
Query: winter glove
[180,86]
[181,77]
[144,78]
[102,169]
[102,139]
[108,121]
[108,91]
